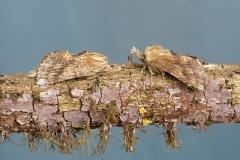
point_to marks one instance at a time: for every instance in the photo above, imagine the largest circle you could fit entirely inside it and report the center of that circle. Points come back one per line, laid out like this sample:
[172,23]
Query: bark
[120,96]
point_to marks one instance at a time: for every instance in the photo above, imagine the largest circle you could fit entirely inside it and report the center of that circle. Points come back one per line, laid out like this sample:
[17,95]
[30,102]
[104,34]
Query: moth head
[56,56]
[138,54]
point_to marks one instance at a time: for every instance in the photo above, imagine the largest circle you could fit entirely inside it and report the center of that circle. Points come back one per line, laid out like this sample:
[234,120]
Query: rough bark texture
[120,96]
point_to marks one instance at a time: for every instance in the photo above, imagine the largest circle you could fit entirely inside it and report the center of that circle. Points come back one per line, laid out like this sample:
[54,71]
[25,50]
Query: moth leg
[130,59]
[151,72]
[163,74]
[144,67]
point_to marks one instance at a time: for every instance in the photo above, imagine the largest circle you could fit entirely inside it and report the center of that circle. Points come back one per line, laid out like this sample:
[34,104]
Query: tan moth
[60,66]
[187,69]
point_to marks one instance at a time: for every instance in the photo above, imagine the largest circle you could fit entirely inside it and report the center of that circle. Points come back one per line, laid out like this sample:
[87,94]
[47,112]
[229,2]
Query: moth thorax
[154,52]
[96,59]
[166,52]
[151,48]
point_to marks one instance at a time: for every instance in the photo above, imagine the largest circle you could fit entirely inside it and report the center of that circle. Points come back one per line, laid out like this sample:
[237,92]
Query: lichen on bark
[117,97]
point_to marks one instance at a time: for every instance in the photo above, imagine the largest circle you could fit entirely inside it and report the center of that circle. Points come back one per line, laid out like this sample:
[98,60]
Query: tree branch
[118,96]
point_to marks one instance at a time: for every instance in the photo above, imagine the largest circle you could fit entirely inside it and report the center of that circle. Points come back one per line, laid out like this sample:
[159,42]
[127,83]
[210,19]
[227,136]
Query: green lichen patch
[235,89]
[209,121]
[2,95]
[36,94]
[67,103]
[36,98]
[112,112]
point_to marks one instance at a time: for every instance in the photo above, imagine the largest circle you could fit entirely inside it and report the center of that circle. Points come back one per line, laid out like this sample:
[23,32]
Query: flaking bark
[120,96]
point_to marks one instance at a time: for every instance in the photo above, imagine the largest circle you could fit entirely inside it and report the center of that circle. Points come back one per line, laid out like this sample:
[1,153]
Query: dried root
[170,136]
[129,137]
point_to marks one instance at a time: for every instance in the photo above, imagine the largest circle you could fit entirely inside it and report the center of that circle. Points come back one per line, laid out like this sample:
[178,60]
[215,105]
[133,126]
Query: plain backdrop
[208,29]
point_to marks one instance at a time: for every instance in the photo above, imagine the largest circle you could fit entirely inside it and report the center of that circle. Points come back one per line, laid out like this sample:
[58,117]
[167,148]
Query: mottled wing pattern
[51,67]
[187,69]
[60,66]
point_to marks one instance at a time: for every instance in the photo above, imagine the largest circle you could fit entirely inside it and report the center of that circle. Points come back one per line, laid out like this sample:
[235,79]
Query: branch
[118,96]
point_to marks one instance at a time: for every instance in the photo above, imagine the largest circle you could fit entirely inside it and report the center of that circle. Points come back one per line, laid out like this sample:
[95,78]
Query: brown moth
[60,66]
[187,69]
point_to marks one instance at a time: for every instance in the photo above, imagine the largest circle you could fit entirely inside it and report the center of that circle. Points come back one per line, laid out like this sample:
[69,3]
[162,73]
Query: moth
[60,66]
[185,68]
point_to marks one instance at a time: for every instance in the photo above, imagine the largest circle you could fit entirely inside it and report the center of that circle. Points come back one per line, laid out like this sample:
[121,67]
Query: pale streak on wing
[60,66]
[184,68]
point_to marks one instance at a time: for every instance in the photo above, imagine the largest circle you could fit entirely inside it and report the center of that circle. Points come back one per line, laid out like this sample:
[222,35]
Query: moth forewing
[186,69]
[60,66]
[190,73]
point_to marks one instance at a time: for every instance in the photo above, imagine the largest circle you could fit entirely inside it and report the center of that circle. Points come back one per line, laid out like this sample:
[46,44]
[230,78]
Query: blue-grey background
[207,29]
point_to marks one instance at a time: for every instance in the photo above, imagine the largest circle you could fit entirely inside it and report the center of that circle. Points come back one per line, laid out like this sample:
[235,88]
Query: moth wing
[60,66]
[51,67]
[184,68]
[76,67]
